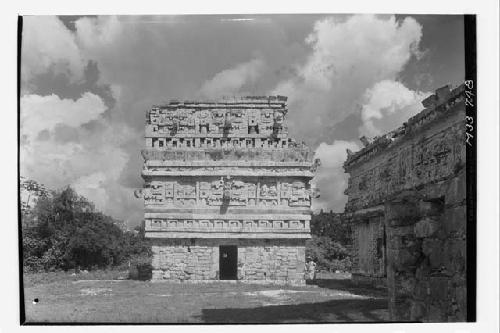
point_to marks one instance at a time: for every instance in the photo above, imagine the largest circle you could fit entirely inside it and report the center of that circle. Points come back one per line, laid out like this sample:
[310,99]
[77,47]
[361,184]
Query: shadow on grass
[350,286]
[367,310]
[372,309]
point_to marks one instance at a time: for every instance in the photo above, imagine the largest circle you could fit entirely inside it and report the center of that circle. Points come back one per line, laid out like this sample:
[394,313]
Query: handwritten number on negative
[469,121]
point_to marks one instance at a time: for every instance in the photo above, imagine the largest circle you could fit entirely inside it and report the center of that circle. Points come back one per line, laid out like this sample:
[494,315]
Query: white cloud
[40,113]
[93,170]
[92,160]
[364,46]
[93,33]
[103,189]
[92,187]
[330,177]
[348,57]
[230,81]
[48,45]
[58,164]
[387,105]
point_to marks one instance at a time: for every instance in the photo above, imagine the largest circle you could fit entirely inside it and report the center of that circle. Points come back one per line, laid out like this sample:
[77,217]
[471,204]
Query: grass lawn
[66,298]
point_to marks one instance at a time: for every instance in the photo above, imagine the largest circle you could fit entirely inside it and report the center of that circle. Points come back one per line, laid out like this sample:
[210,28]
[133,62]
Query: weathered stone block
[400,308]
[422,289]
[417,311]
[427,227]
[460,299]
[401,213]
[430,245]
[456,191]
[402,259]
[455,221]
[433,249]
[423,270]
[436,314]
[400,231]
[431,208]
[439,288]
[407,285]
[455,255]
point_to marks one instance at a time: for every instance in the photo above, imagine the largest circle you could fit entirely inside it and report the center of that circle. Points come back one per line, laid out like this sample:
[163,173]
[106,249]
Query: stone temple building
[406,201]
[227,193]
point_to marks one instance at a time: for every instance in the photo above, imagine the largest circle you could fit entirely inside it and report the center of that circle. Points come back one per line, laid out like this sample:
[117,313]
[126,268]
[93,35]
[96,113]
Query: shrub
[64,231]
[328,254]
[330,242]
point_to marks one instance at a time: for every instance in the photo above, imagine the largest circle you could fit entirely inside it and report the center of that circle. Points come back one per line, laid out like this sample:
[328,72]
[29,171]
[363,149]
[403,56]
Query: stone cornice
[228,102]
[227,163]
[219,173]
[298,154]
[225,235]
[226,217]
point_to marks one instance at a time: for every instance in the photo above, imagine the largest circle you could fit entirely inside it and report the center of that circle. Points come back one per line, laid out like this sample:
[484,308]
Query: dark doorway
[228,262]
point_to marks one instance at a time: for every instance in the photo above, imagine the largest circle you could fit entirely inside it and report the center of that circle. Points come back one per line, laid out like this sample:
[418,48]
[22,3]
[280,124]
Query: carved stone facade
[406,200]
[223,182]
[209,191]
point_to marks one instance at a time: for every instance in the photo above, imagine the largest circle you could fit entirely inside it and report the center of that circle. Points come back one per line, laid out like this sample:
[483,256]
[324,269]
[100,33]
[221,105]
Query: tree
[332,225]
[32,190]
[331,239]
[64,231]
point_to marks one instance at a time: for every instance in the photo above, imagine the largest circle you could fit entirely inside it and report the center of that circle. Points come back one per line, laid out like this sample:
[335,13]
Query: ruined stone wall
[415,177]
[426,232]
[259,260]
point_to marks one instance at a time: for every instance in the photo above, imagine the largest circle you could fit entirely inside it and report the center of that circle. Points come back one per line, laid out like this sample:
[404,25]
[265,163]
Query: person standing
[311,269]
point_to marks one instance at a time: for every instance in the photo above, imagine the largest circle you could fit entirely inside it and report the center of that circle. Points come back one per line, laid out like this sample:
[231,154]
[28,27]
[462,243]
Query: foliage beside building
[63,230]
[330,245]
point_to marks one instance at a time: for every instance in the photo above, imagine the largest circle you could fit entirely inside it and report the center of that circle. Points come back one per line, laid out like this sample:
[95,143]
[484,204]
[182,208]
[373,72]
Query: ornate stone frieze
[240,117]
[228,191]
[226,224]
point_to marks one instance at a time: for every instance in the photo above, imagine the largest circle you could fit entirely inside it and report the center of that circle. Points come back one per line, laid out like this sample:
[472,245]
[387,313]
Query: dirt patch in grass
[33,279]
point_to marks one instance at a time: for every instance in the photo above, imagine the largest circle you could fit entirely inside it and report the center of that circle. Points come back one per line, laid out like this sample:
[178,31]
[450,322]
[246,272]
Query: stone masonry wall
[259,260]
[426,232]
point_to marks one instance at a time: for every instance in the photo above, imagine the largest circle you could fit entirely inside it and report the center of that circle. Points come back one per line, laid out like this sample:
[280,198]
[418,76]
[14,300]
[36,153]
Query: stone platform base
[263,261]
[295,283]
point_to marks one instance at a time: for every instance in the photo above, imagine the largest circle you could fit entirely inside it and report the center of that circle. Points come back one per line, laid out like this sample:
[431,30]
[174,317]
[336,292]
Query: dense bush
[333,225]
[64,231]
[328,254]
[330,243]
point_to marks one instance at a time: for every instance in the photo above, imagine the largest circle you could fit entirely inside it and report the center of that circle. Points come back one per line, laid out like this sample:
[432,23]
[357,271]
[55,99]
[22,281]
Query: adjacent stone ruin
[227,194]
[406,200]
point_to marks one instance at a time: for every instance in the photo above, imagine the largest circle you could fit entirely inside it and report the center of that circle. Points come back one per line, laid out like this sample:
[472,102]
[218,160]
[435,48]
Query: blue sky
[87,82]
